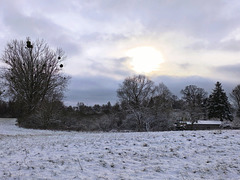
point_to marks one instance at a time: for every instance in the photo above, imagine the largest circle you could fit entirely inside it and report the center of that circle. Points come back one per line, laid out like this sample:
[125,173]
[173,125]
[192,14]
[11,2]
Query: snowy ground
[36,154]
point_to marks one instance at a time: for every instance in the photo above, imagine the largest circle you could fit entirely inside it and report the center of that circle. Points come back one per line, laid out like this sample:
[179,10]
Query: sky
[175,42]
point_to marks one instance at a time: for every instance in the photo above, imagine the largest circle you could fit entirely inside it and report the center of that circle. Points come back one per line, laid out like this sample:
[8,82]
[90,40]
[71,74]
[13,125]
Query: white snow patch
[38,154]
[206,122]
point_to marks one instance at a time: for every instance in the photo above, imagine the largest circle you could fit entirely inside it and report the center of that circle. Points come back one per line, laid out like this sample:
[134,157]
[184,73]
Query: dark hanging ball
[29,44]
[61,65]
[59,57]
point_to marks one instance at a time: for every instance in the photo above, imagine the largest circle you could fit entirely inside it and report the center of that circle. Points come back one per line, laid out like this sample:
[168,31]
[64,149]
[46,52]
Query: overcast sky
[177,42]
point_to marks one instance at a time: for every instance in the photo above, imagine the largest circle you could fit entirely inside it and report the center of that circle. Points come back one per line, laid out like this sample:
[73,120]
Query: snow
[39,154]
[206,122]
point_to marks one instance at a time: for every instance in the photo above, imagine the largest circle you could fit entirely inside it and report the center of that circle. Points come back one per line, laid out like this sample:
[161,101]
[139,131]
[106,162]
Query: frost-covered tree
[163,97]
[235,95]
[161,108]
[194,98]
[193,95]
[1,93]
[32,73]
[218,104]
[135,94]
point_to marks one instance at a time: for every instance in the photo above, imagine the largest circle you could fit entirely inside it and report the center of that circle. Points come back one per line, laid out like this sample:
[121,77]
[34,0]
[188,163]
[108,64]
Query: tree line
[34,84]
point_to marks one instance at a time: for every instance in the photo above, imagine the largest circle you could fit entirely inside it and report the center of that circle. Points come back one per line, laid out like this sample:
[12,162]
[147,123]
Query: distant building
[202,125]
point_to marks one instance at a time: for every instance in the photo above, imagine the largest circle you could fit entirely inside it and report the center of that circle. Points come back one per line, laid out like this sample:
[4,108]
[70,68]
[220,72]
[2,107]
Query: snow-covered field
[36,154]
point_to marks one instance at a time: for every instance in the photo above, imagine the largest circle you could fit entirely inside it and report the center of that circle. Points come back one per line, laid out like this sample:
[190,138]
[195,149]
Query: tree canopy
[33,73]
[218,104]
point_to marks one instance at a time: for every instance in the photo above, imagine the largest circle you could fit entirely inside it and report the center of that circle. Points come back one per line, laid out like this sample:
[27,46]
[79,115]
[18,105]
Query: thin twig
[80,165]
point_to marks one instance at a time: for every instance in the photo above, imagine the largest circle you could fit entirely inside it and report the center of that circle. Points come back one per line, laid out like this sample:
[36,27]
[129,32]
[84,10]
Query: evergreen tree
[218,104]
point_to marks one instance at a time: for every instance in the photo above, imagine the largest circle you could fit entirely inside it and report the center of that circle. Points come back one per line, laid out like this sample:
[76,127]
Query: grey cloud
[69,46]
[32,26]
[38,26]
[185,66]
[203,19]
[109,67]
[200,45]
[92,90]
[229,70]
[199,18]
[230,45]
[107,37]
[91,96]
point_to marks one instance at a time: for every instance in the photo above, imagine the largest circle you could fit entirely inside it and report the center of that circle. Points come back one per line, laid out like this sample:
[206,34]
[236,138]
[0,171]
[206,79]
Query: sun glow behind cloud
[144,59]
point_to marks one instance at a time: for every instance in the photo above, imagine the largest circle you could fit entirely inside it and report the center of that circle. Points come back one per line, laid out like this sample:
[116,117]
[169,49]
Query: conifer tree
[218,104]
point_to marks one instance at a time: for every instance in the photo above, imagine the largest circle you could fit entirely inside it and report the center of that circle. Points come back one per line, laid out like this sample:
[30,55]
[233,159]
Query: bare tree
[2,86]
[135,93]
[235,96]
[1,94]
[33,73]
[163,97]
[194,98]
[161,104]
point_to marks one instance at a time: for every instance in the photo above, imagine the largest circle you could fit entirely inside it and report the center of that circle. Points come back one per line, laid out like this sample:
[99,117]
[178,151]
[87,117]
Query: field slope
[38,154]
